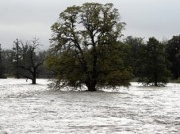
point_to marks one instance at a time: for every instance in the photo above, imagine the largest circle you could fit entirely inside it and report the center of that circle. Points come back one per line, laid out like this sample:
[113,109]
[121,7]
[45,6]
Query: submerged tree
[28,59]
[153,66]
[173,51]
[1,65]
[133,44]
[85,48]
[7,62]
[17,57]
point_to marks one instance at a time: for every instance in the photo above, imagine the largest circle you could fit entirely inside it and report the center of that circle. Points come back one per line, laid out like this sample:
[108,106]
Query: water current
[35,109]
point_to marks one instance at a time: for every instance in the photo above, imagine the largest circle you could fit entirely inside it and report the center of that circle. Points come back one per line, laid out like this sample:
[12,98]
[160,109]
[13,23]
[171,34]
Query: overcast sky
[26,19]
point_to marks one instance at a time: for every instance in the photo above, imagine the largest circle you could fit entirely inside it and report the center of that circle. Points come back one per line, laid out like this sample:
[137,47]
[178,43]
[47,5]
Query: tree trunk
[155,83]
[33,80]
[34,77]
[91,86]
[155,79]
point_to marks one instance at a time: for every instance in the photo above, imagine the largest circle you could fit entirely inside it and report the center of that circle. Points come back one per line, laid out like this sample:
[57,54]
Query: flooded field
[35,109]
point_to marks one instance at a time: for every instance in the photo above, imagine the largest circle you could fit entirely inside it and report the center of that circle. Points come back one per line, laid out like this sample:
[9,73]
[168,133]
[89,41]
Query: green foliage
[85,48]
[153,63]
[7,62]
[133,45]
[1,65]
[173,51]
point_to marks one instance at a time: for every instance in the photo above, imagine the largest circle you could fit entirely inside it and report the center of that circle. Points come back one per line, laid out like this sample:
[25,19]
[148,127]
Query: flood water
[35,109]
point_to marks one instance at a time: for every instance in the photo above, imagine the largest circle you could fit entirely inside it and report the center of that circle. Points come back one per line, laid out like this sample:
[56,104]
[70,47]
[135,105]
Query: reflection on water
[136,110]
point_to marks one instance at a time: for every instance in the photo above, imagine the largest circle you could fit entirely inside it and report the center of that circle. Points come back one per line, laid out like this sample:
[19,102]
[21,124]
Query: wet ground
[34,109]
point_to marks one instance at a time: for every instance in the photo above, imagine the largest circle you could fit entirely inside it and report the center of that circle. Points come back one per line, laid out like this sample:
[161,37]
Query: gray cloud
[25,19]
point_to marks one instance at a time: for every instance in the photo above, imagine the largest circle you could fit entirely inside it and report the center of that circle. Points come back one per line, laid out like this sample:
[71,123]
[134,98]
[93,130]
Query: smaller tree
[153,64]
[173,51]
[1,65]
[28,59]
[133,44]
[8,68]
[17,56]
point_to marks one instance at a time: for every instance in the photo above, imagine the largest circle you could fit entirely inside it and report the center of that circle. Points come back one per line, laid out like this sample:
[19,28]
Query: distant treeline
[140,56]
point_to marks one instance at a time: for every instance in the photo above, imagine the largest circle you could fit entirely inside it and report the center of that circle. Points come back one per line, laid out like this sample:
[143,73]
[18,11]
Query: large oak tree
[86,49]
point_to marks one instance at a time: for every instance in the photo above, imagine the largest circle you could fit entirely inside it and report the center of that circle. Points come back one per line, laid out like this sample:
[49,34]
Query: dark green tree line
[153,64]
[173,51]
[1,65]
[133,45]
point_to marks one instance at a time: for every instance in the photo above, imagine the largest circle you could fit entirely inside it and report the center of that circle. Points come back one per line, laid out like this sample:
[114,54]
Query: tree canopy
[27,59]
[173,51]
[1,65]
[133,45]
[86,49]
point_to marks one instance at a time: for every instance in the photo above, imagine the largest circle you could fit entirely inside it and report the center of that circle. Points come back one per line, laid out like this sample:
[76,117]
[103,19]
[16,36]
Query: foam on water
[27,108]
